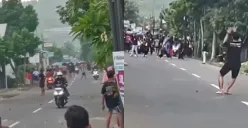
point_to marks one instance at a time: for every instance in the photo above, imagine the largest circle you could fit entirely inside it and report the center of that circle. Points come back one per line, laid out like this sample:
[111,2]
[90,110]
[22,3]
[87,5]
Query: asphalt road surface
[30,110]
[172,93]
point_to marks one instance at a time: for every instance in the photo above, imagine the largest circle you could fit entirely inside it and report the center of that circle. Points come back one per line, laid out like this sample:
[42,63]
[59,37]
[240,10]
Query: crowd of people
[161,44]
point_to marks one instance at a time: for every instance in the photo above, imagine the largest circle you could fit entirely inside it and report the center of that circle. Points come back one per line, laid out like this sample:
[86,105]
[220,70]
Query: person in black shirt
[42,82]
[111,97]
[233,62]
[77,117]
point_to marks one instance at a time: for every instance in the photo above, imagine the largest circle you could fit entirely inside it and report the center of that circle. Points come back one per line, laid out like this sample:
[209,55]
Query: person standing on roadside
[233,63]
[134,45]
[42,82]
[204,53]
[111,97]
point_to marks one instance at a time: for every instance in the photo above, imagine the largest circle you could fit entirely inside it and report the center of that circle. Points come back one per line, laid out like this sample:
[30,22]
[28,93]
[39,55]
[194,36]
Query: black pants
[181,54]
[234,68]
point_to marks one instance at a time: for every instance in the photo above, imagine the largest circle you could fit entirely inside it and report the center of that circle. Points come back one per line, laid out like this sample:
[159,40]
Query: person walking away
[134,46]
[233,62]
[42,82]
[83,73]
[110,96]
[204,53]
[181,50]
[77,117]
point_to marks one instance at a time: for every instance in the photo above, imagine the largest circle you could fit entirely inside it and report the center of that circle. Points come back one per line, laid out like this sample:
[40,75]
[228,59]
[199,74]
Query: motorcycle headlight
[55,93]
[61,92]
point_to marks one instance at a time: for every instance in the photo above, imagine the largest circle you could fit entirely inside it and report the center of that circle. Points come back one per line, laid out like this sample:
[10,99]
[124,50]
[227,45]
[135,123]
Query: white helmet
[59,73]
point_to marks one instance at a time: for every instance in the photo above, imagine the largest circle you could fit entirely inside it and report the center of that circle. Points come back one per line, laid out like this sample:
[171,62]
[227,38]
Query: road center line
[14,124]
[173,64]
[183,69]
[196,75]
[51,101]
[37,110]
[215,86]
[166,60]
[244,102]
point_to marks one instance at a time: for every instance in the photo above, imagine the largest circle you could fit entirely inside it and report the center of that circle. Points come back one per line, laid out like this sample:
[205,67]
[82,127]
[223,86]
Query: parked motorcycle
[59,96]
[50,81]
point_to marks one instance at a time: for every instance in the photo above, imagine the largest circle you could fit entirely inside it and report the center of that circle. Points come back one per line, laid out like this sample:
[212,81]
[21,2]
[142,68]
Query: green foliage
[72,10]
[19,39]
[131,11]
[206,19]
[94,26]
[58,53]
[69,49]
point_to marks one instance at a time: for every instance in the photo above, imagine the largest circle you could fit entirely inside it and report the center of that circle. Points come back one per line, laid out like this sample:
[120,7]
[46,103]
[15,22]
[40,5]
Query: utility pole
[116,11]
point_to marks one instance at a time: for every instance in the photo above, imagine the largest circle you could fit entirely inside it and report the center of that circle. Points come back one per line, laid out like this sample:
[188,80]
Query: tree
[131,12]
[207,21]
[94,26]
[58,53]
[19,39]
[72,10]
[69,49]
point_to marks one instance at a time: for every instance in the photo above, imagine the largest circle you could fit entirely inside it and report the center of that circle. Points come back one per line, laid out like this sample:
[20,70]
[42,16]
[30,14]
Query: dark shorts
[42,84]
[83,73]
[115,109]
[228,67]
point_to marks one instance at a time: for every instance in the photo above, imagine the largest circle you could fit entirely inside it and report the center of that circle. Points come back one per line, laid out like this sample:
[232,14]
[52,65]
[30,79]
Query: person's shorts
[42,84]
[228,67]
[83,73]
[115,109]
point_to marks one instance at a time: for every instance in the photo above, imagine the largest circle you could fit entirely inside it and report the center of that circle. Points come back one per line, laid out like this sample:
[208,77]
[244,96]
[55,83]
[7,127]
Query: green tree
[19,39]
[207,21]
[58,53]
[69,49]
[94,26]
[131,12]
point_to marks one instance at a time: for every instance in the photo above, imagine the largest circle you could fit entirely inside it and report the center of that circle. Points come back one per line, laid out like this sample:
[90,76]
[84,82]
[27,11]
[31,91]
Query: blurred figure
[77,117]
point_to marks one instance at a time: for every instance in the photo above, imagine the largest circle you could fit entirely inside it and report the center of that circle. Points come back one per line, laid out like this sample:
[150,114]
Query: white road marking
[183,69]
[166,60]
[196,75]
[51,101]
[173,64]
[215,86]
[244,102]
[37,110]
[97,118]
[14,124]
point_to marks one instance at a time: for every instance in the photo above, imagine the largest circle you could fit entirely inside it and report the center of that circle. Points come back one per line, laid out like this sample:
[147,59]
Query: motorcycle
[59,96]
[50,81]
[76,70]
[95,75]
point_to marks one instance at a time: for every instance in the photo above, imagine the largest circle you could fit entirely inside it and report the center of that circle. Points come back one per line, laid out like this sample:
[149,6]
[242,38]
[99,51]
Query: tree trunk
[213,47]
[194,39]
[199,44]
[202,33]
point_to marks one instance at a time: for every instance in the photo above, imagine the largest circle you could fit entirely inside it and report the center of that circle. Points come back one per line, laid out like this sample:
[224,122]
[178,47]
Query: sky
[147,7]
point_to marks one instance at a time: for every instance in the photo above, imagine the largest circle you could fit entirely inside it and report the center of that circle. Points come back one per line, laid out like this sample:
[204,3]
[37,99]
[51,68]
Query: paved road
[176,94]
[33,111]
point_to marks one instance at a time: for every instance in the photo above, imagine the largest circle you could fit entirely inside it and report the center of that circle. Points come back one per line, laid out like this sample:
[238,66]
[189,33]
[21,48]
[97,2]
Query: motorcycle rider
[61,80]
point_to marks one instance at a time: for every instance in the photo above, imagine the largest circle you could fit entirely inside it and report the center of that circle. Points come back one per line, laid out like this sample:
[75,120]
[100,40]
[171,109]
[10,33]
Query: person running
[77,117]
[110,96]
[233,62]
